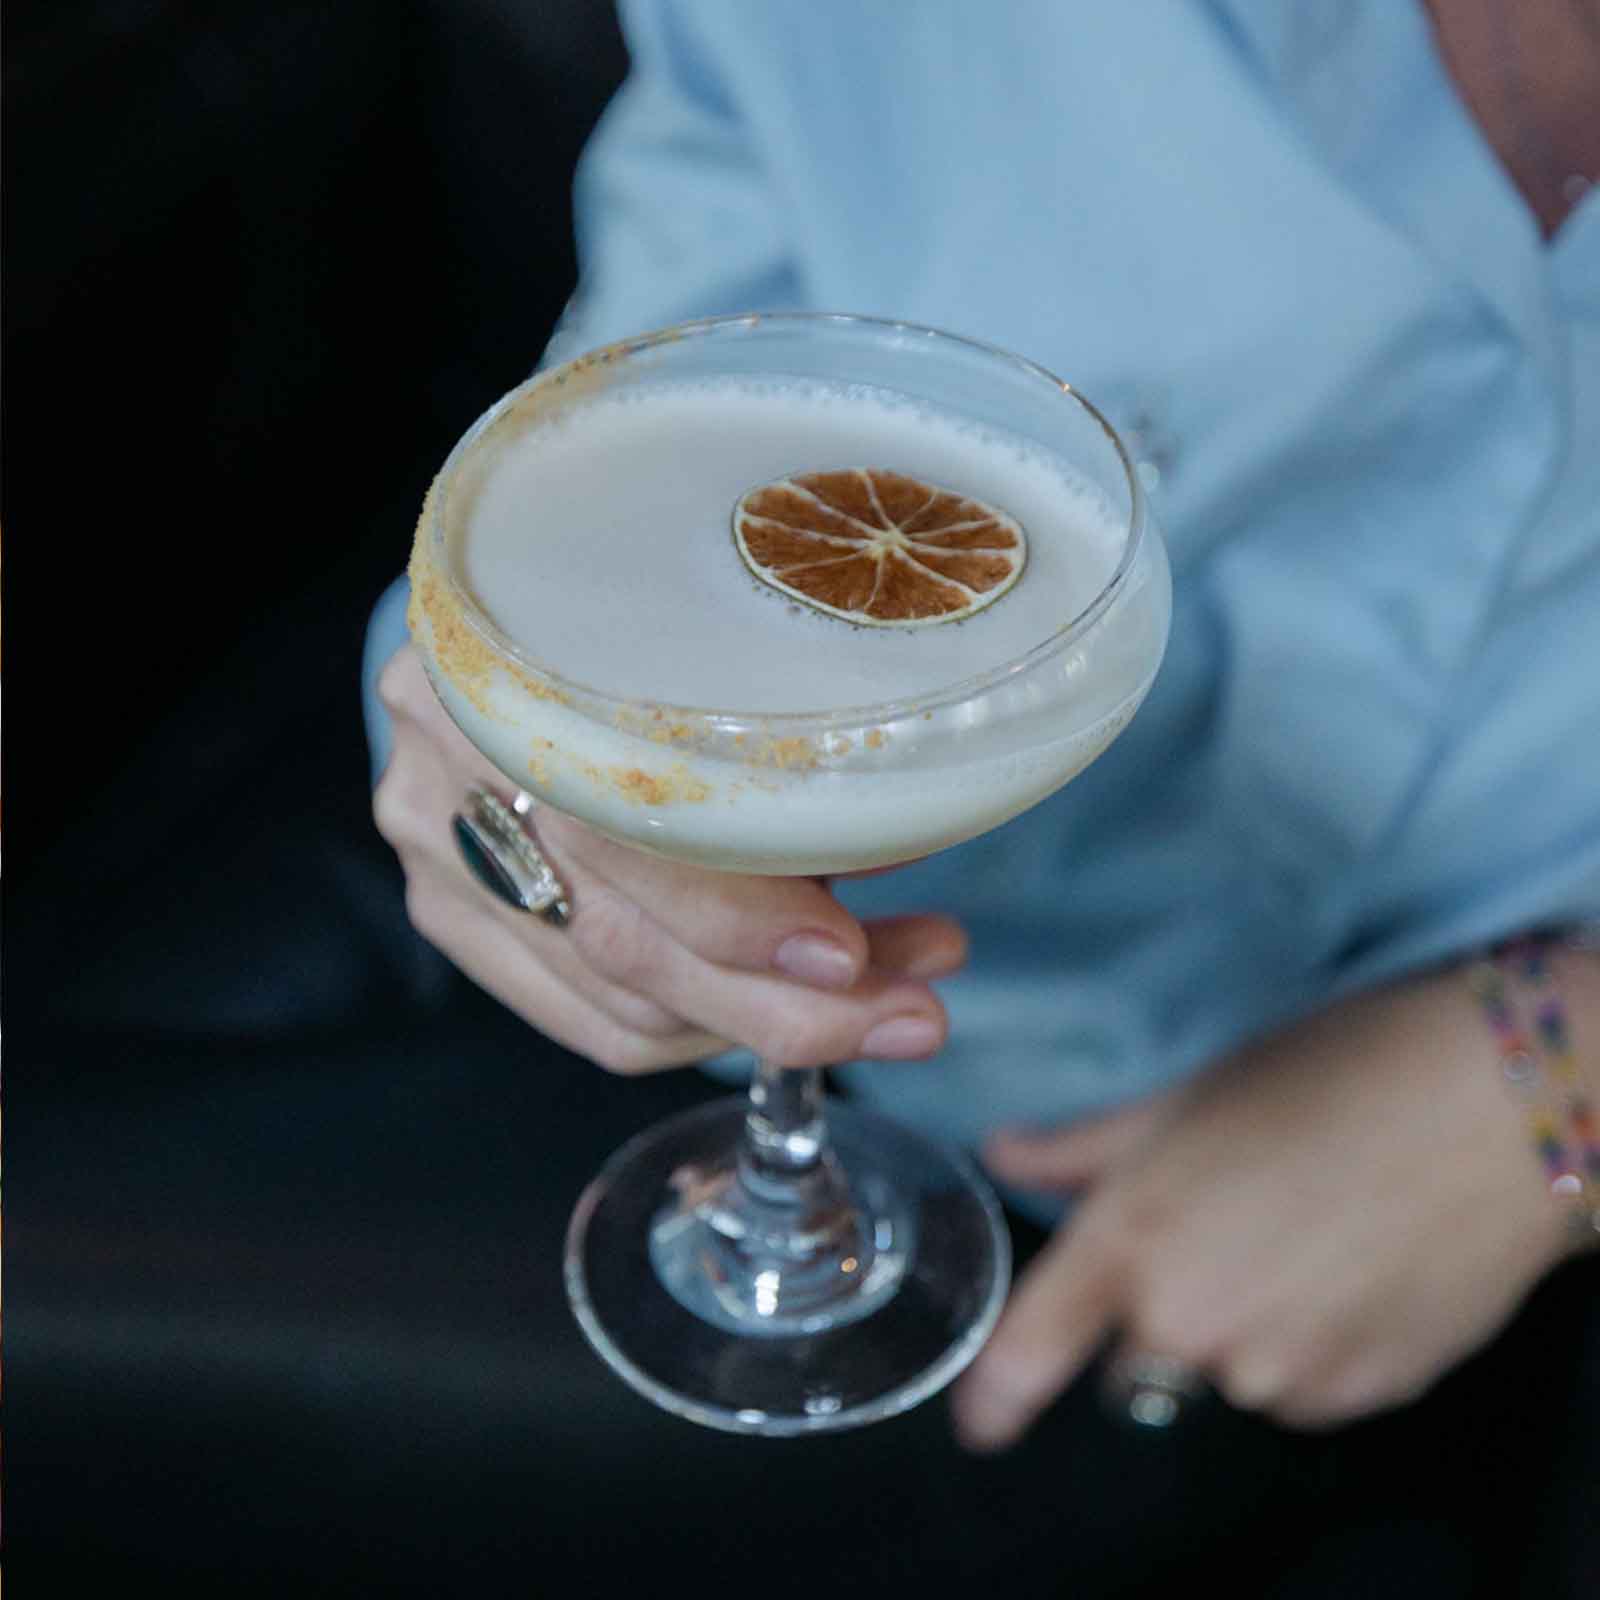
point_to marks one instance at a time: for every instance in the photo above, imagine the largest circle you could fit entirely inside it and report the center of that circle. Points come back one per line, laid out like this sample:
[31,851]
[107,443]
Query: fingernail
[902,1038]
[815,958]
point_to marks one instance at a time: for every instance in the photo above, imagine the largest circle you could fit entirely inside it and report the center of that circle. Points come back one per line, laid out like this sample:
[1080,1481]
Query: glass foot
[781,1314]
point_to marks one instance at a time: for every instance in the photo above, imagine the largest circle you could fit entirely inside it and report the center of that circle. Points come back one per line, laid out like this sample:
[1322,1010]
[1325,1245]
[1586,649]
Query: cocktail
[789,595]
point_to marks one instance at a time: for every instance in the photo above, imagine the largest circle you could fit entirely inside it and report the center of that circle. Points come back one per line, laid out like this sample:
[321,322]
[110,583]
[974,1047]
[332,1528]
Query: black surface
[290,1316]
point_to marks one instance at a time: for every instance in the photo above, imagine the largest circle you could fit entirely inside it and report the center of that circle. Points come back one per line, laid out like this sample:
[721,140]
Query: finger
[429,773]
[612,956]
[1067,1158]
[1060,1312]
[883,1016]
[790,926]
[431,767]
[477,938]
[413,805]
[552,948]
[638,971]
[615,955]
[525,963]
[922,946]
[408,696]
[642,977]
[403,683]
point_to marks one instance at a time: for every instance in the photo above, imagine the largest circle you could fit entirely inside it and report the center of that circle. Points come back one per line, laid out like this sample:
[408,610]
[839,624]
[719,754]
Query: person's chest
[1271,243]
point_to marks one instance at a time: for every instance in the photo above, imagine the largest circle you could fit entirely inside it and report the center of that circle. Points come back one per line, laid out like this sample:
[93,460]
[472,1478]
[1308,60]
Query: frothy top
[599,540]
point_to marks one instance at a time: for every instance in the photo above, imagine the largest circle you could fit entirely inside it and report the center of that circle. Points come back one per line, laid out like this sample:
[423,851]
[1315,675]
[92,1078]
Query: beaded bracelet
[1540,1066]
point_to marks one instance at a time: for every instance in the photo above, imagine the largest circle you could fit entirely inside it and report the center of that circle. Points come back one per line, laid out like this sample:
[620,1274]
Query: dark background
[286,1196]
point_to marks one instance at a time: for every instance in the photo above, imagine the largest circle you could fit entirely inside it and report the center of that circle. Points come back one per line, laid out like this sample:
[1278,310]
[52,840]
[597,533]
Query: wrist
[1538,1002]
[1575,969]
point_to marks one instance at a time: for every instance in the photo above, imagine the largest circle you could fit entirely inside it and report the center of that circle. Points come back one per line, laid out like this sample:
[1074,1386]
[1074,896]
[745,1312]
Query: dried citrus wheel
[878,547]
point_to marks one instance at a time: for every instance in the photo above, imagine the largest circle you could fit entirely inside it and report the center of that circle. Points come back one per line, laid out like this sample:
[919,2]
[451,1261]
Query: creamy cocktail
[593,542]
[789,595]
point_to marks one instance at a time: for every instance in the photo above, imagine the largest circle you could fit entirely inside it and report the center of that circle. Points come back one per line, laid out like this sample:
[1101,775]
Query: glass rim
[577,693]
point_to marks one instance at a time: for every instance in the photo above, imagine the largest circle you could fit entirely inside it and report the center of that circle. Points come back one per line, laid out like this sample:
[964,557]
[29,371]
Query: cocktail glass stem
[785,1130]
[780,1240]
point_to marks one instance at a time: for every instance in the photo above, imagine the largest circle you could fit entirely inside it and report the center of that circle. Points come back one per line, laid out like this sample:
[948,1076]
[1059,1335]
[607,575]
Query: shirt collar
[1363,82]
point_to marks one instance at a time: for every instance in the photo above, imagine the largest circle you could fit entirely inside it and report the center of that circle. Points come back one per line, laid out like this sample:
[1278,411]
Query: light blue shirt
[1271,243]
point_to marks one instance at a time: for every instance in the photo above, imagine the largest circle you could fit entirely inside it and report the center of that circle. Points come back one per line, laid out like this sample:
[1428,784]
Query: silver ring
[1152,1391]
[501,854]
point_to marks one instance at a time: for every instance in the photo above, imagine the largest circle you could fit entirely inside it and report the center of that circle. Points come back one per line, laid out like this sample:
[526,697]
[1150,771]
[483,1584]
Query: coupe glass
[778,1263]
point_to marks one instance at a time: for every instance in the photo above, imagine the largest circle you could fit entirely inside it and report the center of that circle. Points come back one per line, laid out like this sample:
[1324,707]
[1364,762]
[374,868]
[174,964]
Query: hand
[1322,1225]
[661,964]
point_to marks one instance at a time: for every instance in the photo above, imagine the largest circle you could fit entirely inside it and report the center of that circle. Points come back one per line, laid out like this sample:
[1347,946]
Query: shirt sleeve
[386,632]
[675,218]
